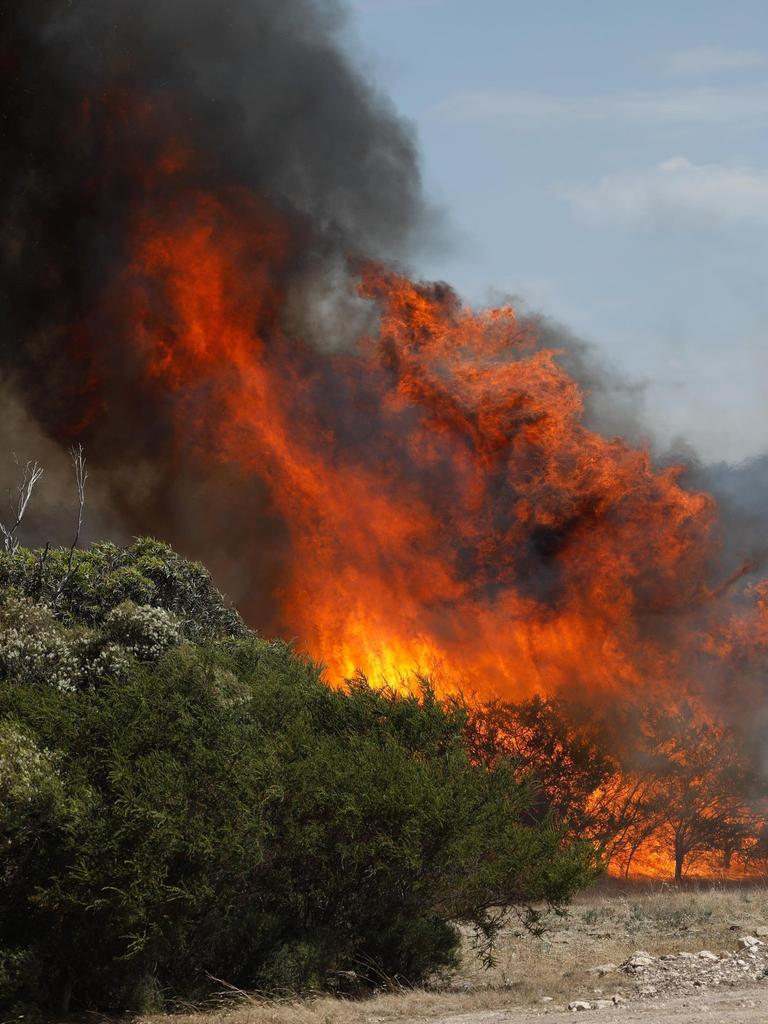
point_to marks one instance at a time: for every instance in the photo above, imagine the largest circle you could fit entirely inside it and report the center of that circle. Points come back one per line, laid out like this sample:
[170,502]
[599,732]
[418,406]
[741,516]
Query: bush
[105,576]
[145,631]
[221,811]
[32,805]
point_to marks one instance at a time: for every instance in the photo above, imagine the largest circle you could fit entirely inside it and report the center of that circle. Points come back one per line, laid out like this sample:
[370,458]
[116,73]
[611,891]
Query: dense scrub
[82,588]
[210,807]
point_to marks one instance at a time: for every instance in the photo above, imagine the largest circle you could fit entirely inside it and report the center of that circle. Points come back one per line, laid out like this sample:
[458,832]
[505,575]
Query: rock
[638,961]
[579,1004]
[749,942]
[617,1000]
[762,932]
[602,969]
[705,954]
[547,999]
[603,1004]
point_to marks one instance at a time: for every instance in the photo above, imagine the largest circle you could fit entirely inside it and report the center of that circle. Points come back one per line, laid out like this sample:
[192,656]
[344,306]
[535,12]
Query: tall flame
[448,510]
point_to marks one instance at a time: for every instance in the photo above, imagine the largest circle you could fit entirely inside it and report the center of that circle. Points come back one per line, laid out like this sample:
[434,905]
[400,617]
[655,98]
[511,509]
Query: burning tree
[702,781]
[634,780]
[557,743]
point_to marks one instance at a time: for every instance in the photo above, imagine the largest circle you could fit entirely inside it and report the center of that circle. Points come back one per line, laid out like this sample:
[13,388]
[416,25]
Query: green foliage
[221,811]
[98,580]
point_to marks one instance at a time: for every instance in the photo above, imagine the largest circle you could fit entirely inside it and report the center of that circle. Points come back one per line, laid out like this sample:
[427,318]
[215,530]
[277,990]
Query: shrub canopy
[220,811]
[84,587]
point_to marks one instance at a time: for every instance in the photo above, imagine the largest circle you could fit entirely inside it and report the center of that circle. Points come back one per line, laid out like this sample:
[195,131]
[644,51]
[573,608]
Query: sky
[606,164]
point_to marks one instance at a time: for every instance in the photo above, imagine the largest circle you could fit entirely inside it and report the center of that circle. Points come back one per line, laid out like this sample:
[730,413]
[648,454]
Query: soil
[737,1006]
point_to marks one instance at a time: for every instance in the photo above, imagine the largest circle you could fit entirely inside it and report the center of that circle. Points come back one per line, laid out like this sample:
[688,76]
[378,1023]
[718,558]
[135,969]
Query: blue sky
[606,163]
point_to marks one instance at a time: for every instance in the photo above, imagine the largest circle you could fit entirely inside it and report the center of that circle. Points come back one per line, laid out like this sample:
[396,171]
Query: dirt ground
[749,1006]
[578,958]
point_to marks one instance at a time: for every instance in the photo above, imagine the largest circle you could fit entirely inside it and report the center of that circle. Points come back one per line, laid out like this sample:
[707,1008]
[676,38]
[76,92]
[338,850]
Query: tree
[701,784]
[628,777]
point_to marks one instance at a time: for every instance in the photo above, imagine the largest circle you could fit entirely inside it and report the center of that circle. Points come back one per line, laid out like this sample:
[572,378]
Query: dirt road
[734,1006]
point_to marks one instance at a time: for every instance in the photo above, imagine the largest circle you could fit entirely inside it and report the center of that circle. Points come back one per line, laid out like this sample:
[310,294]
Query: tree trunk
[679,859]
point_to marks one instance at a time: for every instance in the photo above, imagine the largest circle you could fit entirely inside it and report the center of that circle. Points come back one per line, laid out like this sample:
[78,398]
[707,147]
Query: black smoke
[265,95]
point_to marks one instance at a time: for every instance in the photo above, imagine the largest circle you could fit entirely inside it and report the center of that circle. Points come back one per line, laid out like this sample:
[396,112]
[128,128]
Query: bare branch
[77,455]
[27,477]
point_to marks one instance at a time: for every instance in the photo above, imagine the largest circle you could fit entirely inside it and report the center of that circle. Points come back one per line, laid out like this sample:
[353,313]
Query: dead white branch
[77,455]
[27,477]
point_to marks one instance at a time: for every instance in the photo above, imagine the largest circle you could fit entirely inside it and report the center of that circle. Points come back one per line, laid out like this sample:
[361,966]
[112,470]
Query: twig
[231,988]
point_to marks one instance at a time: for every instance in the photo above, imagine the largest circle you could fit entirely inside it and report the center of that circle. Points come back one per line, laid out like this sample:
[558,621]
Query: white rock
[762,932]
[579,1004]
[749,942]
[602,969]
[706,954]
[639,960]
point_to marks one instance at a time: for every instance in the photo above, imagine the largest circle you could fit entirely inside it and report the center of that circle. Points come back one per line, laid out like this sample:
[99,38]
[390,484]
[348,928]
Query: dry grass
[602,927]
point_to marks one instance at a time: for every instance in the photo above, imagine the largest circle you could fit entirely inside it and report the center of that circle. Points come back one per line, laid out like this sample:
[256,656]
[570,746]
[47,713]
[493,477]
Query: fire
[448,510]
[437,501]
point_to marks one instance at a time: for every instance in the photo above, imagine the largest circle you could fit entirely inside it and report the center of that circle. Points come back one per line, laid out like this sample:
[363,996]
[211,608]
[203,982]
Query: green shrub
[32,809]
[145,631]
[36,649]
[105,576]
[221,811]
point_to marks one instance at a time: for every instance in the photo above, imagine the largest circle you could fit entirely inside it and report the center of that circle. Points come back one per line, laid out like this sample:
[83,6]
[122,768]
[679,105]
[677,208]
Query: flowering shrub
[98,580]
[25,770]
[34,648]
[145,631]
[32,806]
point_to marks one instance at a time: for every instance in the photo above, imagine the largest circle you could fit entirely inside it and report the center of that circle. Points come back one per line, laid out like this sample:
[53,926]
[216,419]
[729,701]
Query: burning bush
[223,812]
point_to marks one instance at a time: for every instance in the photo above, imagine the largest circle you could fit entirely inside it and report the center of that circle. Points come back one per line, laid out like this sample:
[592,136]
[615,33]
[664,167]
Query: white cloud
[675,192]
[701,105]
[703,60]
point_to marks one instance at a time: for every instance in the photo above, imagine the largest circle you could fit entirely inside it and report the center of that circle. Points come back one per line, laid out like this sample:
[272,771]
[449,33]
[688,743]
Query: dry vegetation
[602,927]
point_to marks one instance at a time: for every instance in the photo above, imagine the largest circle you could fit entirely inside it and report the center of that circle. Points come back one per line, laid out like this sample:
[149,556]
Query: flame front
[448,510]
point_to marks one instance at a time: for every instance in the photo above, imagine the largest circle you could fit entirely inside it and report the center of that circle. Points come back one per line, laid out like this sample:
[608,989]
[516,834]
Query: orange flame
[481,531]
